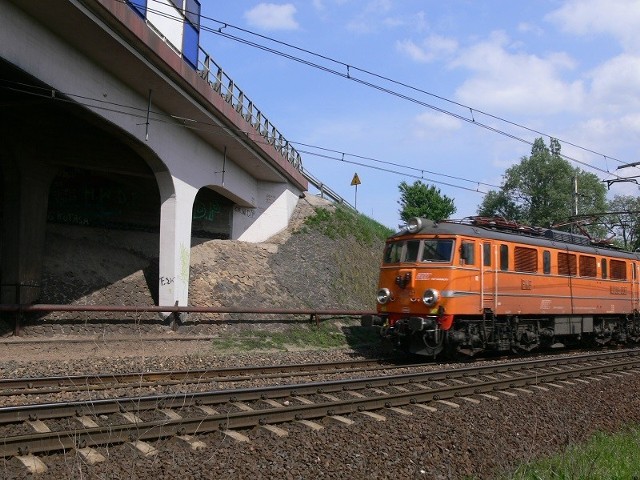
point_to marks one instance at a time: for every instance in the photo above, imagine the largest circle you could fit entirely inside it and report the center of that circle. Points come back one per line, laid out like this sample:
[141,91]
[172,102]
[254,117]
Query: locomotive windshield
[413,251]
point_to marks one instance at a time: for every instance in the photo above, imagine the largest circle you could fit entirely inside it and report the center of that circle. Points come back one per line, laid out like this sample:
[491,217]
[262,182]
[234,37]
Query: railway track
[84,425]
[38,386]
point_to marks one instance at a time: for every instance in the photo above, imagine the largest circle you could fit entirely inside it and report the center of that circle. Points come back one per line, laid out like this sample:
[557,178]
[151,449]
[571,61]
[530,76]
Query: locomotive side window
[525,260]
[604,268]
[504,257]
[467,253]
[486,254]
[587,266]
[567,264]
[437,250]
[546,262]
[618,270]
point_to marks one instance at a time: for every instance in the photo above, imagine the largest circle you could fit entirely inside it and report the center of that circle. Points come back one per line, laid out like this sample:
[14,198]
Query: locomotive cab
[415,288]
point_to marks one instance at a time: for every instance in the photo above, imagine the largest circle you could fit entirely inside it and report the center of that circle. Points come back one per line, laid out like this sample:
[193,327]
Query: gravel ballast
[472,441]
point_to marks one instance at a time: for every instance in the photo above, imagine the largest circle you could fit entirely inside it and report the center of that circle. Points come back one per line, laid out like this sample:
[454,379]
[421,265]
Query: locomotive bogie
[454,287]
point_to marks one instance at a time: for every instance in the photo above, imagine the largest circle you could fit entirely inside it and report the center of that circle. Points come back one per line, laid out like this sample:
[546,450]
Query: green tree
[539,190]
[624,221]
[420,200]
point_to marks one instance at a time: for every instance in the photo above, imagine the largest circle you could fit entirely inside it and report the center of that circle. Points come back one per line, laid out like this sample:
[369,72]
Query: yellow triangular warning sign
[356,180]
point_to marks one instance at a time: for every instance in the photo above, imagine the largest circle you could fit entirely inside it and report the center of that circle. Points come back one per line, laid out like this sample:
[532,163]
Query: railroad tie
[280,432]
[90,455]
[33,464]
[428,408]
[523,390]
[341,419]
[448,403]
[401,411]
[458,381]
[312,425]
[193,442]
[207,410]
[355,394]
[379,392]
[237,436]
[544,389]
[86,421]
[374,415]
[470,400]
[145,448]
[554,385]
[131,417]
[242,406]
[400,389]
[171,414]
[331,398]
[490,397]
[38,425]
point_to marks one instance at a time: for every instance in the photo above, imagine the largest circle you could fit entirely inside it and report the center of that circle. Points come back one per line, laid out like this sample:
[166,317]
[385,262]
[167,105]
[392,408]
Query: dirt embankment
[297,268]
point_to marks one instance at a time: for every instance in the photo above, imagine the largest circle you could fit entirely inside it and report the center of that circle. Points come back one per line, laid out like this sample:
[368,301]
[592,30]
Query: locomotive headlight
[414,224]
[383,296]
[430,297]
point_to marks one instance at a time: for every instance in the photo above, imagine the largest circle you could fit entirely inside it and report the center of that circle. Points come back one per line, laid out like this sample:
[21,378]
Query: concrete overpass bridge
[112,116]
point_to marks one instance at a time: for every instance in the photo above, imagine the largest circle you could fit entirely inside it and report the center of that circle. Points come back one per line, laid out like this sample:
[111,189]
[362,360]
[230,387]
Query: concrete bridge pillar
[177,200]
[25,197]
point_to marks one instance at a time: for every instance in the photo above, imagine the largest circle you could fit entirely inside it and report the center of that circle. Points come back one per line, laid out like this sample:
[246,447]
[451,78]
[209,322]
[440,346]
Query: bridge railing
[234,96]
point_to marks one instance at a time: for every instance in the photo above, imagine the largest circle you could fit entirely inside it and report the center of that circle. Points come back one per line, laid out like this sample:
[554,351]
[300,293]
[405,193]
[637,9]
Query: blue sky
[569,69]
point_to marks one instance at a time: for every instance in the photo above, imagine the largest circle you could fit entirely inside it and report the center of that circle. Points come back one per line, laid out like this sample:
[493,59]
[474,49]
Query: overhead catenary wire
[192,124]
[349,76]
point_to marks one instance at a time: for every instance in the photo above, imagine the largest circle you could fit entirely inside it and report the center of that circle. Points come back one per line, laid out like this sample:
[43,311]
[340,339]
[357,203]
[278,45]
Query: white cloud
[270,16]
[526,27]
[616,83]
[618,18]
[506,81]
[369,17]
[430,124]
[432,48]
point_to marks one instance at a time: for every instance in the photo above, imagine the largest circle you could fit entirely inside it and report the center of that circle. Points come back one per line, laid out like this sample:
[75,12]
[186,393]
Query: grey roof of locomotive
[527,236]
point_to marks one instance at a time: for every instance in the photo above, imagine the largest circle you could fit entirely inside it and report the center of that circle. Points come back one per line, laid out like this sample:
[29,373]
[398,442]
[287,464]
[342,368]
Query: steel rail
[43,411]
[23,386]
[80,438]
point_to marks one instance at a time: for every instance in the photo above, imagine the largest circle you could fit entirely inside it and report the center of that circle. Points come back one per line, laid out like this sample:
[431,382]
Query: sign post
[354,183]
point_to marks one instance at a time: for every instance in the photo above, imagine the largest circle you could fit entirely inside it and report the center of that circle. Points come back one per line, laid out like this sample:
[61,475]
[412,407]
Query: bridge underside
[67,160]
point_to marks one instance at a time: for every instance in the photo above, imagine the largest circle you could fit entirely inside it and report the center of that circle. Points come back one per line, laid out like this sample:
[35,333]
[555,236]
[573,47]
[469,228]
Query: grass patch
[342,222]
[327,335]
[604,456]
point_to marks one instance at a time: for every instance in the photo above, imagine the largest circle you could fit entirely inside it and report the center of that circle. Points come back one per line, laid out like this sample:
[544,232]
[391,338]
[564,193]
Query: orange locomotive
[491,285]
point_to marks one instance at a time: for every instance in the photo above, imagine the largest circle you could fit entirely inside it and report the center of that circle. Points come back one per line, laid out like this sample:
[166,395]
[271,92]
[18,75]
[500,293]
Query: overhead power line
[346,74]
[160,117]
